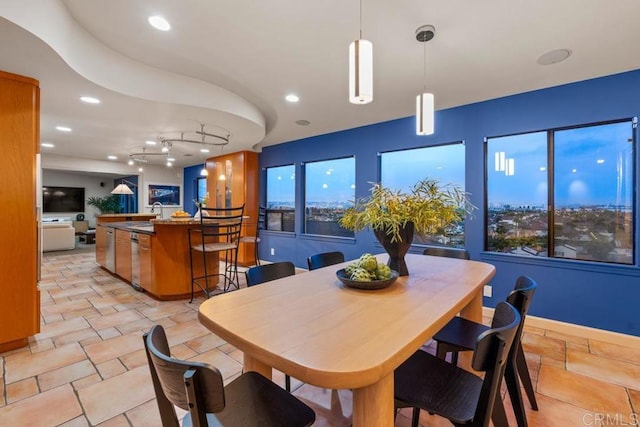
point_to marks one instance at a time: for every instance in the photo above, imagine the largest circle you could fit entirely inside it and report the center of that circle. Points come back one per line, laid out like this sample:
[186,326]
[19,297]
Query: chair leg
[441,353]
[415,417]
[499,416]
[287,383]
[257,255]
[523,372]
[513,387]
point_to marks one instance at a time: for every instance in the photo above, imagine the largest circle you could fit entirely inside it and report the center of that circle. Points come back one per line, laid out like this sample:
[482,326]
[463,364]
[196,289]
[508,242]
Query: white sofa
[58,236]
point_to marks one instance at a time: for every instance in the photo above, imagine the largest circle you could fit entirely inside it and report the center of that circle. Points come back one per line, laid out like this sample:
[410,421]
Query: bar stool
[219,232]
[261,224]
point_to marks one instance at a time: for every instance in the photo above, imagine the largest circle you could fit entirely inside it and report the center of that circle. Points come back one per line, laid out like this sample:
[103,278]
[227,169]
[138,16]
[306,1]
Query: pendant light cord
[360,19]
[424,69]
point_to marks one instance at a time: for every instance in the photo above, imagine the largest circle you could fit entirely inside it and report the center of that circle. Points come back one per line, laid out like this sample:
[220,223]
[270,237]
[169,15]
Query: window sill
[565,264]
[323,238]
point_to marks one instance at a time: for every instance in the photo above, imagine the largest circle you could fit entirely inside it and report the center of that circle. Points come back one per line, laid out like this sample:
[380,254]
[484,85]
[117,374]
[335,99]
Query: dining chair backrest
[262,219]
[268,272]
[447,252]
[490,356]
[520,298]
[205,391]
[325,259]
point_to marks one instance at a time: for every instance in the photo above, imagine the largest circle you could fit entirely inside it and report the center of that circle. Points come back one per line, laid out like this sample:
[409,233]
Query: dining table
[314,328]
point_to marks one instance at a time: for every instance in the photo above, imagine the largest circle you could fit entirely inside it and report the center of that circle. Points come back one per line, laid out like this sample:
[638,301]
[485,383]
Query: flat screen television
[62,199]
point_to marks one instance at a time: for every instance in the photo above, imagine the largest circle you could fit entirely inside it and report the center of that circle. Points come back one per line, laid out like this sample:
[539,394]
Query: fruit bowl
[371,285]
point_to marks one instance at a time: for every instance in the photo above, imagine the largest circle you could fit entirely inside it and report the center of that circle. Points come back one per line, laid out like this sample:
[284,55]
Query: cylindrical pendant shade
[360,72]
[424,114]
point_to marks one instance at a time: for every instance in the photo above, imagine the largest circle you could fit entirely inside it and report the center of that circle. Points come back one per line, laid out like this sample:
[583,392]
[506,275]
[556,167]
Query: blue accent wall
[190,182]
[597,295]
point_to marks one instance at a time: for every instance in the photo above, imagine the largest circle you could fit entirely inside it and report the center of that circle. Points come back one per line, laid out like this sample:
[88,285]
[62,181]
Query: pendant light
[360,69]
[204,171]
[424,101]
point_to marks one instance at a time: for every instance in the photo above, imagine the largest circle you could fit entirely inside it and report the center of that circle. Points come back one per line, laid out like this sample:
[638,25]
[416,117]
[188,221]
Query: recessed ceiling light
[169,164]
[171,159]
[140,169]
[543,168]
[204,150]
[600,161]
[47,144]
[112,157]
[554,56]
[574,170]
[89,100]
[131,162]
[303,122]
[63,128]
[150,142]
[159,23]
[292,98]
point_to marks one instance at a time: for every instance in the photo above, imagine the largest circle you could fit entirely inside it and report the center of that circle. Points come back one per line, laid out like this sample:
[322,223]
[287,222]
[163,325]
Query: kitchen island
[152,255]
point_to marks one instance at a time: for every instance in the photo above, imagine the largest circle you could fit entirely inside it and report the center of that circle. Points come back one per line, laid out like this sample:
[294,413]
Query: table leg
[473,311]
[373,405]
[252,364]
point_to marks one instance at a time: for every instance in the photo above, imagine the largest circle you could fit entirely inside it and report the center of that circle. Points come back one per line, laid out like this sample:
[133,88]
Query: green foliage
[429,206]
[107,204]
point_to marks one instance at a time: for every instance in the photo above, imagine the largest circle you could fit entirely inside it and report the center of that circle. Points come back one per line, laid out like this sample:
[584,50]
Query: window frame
[550,138]
[304,196]
[280,211]
[423,147]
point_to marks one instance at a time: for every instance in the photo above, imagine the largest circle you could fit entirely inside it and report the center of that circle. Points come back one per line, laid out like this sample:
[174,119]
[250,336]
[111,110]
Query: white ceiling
[229,64]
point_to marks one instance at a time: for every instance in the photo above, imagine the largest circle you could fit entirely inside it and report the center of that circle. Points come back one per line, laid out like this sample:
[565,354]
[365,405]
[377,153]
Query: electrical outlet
[487,291]
[273,251]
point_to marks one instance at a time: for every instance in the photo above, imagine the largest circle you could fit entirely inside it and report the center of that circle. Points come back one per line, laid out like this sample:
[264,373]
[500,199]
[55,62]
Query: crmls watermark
[601,419]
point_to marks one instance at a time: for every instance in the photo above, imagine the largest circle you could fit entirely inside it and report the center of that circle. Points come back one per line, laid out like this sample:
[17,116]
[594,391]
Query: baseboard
[617,338]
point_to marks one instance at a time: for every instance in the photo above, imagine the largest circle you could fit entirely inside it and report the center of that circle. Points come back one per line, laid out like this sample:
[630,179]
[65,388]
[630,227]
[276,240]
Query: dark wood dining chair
[249,400]
[324,259]
[447,252]
[429,383]
[460,335]
[218,232]
[266,273]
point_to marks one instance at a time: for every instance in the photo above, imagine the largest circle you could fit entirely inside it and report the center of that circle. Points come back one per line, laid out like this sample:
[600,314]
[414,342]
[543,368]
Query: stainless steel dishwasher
[110,249]
[135,262]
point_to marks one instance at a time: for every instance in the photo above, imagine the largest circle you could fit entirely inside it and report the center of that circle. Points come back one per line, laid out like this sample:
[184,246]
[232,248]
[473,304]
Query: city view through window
[281,201]
[589,183]
[329,190]
[400,170]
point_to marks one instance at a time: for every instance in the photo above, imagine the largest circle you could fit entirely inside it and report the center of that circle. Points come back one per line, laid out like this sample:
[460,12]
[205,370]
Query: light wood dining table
[313,328]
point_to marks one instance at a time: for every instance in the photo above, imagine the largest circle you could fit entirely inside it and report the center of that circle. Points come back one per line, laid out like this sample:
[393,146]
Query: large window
[400,170]
[329,190]
[281,201]
[565,193]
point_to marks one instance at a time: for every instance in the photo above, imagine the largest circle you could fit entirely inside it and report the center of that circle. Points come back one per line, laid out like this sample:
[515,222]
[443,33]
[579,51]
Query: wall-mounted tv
[62,199]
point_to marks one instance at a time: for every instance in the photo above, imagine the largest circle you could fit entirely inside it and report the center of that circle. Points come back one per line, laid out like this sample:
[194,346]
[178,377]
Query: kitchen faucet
[161,209]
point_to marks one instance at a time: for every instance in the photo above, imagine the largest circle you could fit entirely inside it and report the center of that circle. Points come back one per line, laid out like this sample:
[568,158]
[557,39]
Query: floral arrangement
[203,202]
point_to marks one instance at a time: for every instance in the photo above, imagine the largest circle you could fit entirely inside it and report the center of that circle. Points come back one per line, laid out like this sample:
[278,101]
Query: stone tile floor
[87,366]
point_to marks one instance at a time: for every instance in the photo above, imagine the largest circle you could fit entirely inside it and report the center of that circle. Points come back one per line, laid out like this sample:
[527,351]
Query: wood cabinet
[234,182]
[123,254]
[145,259]
[101,245]
[19,251]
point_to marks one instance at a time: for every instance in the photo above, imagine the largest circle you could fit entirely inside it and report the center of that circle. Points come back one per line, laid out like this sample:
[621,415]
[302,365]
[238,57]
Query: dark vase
[397,250]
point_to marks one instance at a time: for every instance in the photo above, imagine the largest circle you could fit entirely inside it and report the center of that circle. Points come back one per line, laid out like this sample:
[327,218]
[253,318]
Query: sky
[593,166]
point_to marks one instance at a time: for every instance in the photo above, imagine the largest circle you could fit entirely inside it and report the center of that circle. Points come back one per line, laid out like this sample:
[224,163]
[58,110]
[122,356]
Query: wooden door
[19,255]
